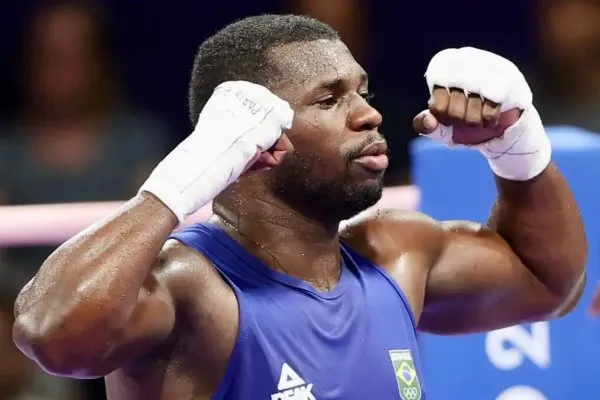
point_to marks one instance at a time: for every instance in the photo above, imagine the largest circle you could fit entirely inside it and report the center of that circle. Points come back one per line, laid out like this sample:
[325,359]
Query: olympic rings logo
[410,393]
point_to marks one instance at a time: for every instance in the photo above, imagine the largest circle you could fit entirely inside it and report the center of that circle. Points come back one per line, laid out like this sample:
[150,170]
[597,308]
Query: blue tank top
[355,342]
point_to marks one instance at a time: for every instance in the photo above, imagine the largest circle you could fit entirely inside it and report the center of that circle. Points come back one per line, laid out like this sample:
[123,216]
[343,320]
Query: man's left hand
[482,100]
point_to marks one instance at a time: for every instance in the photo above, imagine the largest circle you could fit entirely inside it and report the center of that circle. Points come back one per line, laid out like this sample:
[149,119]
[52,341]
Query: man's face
[329,171]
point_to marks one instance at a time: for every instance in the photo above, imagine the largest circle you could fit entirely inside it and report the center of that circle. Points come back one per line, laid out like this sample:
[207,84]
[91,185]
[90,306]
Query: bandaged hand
[238,126]
[481,100]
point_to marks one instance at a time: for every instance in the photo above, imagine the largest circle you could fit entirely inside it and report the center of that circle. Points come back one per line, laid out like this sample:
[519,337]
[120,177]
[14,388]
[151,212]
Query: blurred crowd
[82,122]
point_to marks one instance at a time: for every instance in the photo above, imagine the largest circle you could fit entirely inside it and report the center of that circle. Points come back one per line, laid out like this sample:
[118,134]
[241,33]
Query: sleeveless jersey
[355,342]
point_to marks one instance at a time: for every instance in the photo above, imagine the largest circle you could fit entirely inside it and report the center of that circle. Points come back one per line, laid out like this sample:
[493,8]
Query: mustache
[354,152]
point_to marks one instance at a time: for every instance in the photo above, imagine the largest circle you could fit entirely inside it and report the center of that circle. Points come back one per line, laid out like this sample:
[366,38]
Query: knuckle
[456,113]
[472,120]
[436,107]
[488,115]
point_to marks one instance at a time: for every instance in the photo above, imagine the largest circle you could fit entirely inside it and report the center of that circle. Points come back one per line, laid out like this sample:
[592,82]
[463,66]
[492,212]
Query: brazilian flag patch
[406,374]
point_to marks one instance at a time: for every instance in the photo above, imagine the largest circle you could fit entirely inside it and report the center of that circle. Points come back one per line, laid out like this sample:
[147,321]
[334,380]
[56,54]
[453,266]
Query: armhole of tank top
[236,353]
[400,292]
[390,280]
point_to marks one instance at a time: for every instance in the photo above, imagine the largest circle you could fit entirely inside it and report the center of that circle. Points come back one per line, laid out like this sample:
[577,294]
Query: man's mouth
[374,156]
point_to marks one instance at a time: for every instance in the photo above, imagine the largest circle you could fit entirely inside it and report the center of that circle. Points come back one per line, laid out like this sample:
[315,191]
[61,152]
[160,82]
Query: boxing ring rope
[51,224]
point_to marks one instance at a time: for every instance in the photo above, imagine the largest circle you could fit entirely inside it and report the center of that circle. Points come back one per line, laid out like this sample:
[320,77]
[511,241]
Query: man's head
[304,62]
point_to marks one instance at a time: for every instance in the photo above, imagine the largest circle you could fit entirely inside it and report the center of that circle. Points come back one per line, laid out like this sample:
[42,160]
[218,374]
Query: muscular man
[270,300]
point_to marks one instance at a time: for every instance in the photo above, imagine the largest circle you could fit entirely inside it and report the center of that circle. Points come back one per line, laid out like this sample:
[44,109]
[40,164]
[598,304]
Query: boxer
[270,299]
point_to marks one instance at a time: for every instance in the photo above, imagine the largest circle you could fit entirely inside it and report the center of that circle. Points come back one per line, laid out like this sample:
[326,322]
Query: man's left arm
[541,222]
[528,262]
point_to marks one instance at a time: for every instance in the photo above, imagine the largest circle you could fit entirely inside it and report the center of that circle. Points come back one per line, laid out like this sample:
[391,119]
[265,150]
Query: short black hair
[239,52]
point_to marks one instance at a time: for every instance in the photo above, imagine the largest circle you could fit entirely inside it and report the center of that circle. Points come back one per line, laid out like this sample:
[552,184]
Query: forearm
[95,279]
[100,271]
[540,220]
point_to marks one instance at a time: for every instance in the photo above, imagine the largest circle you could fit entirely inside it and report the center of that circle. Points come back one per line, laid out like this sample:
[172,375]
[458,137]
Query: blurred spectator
[73,137]
[569,33]
[349,17]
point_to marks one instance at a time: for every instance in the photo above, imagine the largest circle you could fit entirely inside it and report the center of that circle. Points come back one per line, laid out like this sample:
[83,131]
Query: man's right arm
[101,298]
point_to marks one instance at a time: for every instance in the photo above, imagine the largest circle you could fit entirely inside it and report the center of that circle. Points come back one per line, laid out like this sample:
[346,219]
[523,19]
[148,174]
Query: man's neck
[284,239]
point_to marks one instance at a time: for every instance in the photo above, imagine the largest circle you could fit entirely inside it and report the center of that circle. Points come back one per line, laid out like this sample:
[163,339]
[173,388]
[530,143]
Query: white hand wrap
[524,150]
[238,119]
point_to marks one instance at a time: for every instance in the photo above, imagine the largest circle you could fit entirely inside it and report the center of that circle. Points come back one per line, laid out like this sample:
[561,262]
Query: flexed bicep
[478,284]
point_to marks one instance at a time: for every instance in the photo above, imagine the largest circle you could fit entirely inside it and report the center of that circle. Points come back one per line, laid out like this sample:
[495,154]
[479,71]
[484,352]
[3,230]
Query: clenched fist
[477,93]
[481,99]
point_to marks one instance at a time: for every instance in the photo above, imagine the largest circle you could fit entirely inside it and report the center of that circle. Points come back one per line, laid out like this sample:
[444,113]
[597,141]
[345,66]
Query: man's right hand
[239,128]
[110,294]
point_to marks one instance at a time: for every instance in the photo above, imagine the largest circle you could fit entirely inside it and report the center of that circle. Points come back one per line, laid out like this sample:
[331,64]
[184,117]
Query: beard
[303,182]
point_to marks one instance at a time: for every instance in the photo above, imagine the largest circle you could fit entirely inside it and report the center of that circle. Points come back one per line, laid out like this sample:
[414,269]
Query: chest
[359,345]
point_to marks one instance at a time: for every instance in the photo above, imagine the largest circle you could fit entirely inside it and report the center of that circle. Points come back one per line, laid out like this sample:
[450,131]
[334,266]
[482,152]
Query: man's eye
[368,96]
[328,102]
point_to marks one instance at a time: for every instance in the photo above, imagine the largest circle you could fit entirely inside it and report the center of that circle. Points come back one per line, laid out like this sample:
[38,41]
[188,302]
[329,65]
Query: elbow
[574,284]
[570,300]
[569,280]
[564,280]
[42,347]
[67,347]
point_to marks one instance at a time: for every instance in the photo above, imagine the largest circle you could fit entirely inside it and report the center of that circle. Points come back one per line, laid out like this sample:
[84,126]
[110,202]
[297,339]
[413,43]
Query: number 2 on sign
[507,348]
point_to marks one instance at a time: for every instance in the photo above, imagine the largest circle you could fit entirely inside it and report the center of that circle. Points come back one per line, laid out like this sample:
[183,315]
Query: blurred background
[93,95]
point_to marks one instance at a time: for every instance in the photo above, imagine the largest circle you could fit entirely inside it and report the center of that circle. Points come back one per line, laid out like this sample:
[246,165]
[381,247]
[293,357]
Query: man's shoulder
[175,258]
[174,253]
[187,272]
[390,220]
[404,243]
[389,233]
